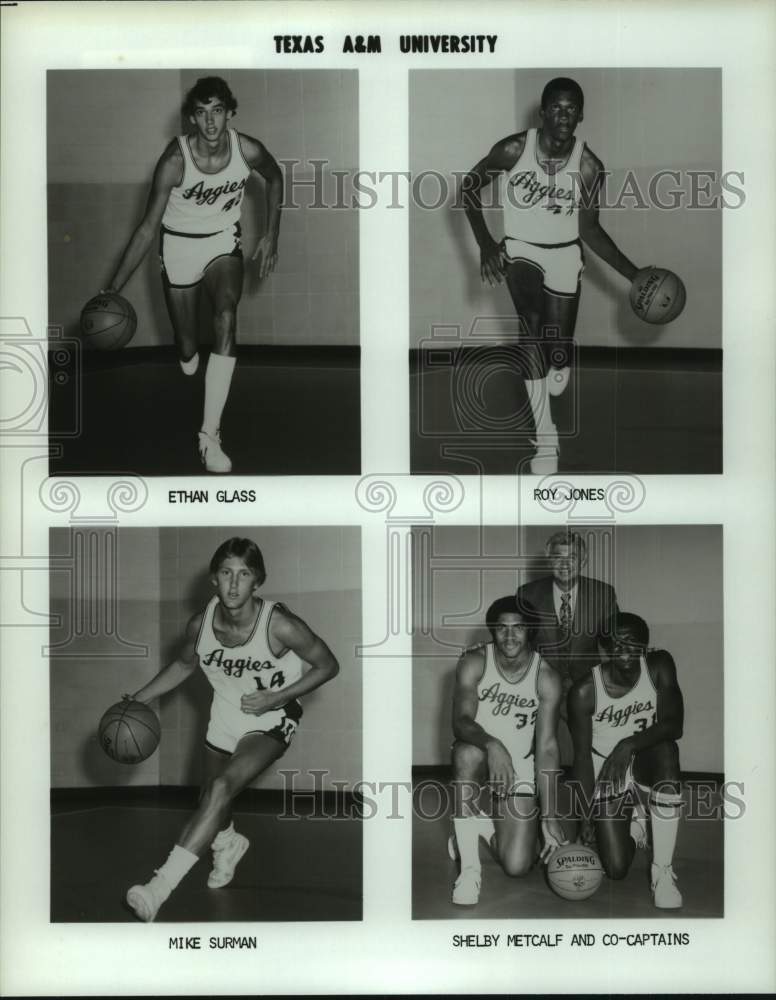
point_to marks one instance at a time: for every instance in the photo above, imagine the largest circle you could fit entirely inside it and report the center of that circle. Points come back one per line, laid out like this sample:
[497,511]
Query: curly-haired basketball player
[625,717]
[505,717]
[550,189]
[259,658]
[196,197]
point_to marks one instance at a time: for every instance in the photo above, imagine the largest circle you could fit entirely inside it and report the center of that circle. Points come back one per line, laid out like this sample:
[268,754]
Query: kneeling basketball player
[625,717]
[259,658]
[196,196]
[505,717]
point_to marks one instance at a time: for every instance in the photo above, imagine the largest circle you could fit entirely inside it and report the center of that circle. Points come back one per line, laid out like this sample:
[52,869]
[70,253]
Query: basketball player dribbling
[259,659]
[550,192]
[196,196]
[625,717]
[505,717]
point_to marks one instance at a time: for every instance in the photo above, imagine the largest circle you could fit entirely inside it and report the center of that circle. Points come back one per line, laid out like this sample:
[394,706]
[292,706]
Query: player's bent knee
[615,868]
[467,760]
[517,866]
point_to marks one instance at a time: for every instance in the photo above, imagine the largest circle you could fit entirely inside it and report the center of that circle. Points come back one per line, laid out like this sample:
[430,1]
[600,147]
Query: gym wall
[106,130]
[671,575]
[642,120]
[163,580]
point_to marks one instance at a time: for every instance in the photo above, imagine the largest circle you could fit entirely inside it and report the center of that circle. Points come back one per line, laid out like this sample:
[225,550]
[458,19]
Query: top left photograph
[202,272]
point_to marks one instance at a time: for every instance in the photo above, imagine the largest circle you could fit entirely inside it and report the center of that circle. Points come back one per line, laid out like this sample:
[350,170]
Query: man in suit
[572,611]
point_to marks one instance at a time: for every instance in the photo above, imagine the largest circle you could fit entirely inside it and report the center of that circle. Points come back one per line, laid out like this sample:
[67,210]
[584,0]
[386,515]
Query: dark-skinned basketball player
[259,658]
[625,718]
[505,717]
[196,194]
[550,193]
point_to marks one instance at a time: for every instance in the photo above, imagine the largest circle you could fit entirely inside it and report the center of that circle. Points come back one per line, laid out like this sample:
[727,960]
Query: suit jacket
[572,652]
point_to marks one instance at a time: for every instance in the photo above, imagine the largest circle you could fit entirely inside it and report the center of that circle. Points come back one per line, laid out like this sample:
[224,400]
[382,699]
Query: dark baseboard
[442,773]
[621,358]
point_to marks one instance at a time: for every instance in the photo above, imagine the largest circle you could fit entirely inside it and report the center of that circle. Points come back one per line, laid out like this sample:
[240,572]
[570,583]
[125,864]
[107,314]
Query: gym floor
[698,864]
[642,411]
[291,411]
[301,869]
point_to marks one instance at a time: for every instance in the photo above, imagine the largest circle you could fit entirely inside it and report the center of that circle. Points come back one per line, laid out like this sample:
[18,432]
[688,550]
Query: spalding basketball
[657,295]
[108,322]
[574,871]
[129,732]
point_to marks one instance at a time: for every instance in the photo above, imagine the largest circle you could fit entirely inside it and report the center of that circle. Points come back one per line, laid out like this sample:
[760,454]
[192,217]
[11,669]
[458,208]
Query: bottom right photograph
[568,722]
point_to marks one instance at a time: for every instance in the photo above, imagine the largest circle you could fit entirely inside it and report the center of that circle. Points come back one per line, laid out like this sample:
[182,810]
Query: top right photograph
[566,270]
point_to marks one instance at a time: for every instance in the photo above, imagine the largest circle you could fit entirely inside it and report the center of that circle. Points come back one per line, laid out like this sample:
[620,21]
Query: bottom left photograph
[205,699]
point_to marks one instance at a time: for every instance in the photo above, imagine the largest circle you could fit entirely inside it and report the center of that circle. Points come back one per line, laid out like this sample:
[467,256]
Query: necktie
[565,611]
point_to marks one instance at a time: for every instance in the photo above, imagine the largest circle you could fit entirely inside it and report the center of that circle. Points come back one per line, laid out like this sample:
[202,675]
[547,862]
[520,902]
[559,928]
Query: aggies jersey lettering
[203,204]
[616,718]
[540,207]
[507,710]
[237,670]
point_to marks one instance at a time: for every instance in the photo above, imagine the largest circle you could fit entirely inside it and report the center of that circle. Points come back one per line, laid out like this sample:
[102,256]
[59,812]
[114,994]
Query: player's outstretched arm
[581,705]
[287,631]
[167,174]
[547,756]
[259,158]
[590,229]
[175,673]
[502,157]
[468,674]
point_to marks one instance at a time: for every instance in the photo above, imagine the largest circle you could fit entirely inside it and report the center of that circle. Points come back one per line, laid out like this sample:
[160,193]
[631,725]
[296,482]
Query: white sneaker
[664,890]
[545,461]
[211,453]
[189,367]
[466,891]
[557,380]
[225,860]
[146,899]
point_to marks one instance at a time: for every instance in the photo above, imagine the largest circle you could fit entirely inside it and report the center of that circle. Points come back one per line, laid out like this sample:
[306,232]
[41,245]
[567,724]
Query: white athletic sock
[218,378]
[665,810]
[468,830]
[539,398]
[223,837]
[179,863]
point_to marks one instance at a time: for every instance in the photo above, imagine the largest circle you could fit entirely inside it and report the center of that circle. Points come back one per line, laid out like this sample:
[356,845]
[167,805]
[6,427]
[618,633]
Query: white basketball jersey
[507,709]
[252,666]
[203,204]
[540,207]
[616,718]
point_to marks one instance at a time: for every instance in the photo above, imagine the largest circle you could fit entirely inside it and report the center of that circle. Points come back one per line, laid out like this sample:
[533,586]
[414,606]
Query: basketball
[108,322]
[574,871]
[129,732]
[657,295]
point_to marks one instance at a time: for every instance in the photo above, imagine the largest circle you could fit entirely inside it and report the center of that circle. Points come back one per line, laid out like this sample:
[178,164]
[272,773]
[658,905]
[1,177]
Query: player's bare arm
[259,159]
[669,718]
[502,157]
[590,229]
[168,173]
[181,668]
[547,755]
[287,631]
[469,673]
[581,705]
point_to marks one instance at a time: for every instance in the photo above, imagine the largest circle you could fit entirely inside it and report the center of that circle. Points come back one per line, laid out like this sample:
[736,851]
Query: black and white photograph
[566,270]
[205,724]
[193,259]
[568,708]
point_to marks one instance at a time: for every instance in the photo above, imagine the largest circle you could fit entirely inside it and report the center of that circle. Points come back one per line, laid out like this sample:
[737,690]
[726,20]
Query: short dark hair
[573,539]
[242,548]
[624,621]
[204,90]
[563,83]
[512,605]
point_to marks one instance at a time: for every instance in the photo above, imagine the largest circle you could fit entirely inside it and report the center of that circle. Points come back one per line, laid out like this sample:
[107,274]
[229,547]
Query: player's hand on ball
[492,264]
[257,702]
[553,836]
[500,770]
[615,770]
[266,253]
